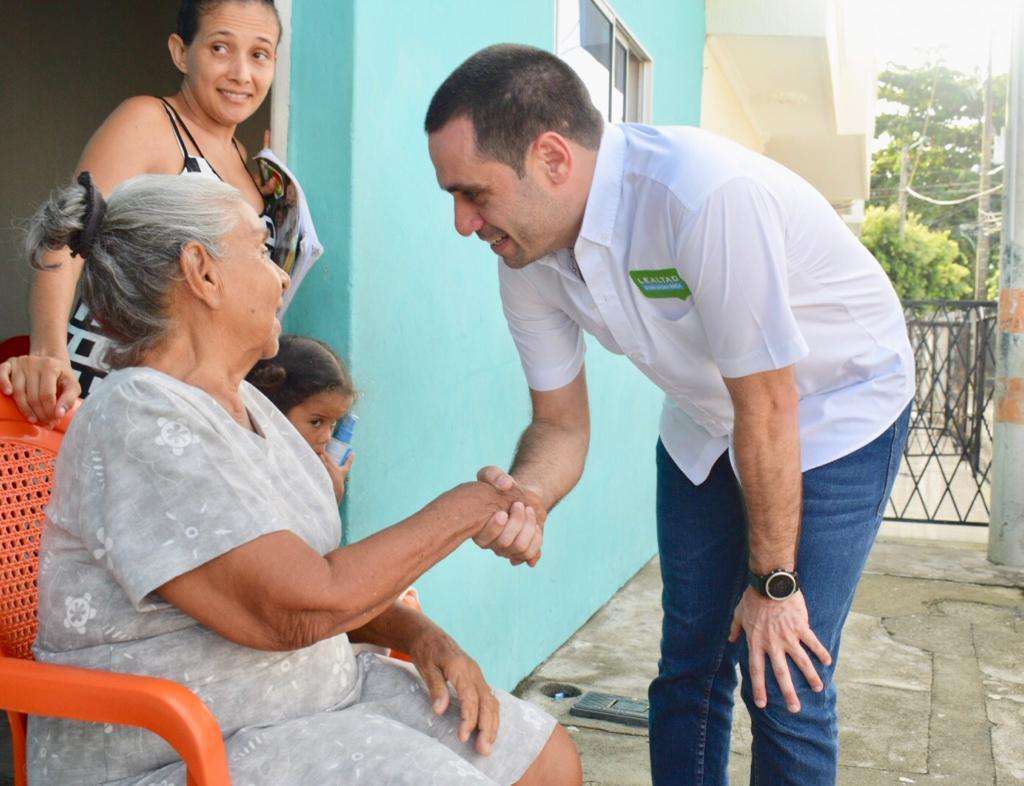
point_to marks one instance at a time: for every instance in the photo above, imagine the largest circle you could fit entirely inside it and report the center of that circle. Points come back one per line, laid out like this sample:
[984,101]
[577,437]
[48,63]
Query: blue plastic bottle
[339,446]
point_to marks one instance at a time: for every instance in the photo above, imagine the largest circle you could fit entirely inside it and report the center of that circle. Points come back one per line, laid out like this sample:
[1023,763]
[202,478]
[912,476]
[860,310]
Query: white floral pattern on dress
[175,435]
[78,611]
[106,544]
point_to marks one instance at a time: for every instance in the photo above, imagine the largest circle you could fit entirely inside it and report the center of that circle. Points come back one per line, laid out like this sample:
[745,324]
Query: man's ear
[201,275]
[553,156]
[178,49]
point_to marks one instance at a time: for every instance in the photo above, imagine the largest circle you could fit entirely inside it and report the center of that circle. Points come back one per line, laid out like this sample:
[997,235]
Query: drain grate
[607,707]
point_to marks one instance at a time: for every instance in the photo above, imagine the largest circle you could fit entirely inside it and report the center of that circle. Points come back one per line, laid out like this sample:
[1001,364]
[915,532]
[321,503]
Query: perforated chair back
[27,453]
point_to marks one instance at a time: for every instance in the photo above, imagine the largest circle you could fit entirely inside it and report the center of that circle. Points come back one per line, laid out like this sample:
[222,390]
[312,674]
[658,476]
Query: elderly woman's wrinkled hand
[44,388]
[441,662]
[516,534]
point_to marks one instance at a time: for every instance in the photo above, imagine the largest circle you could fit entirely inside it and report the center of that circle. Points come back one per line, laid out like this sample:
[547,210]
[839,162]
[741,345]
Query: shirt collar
[606,188]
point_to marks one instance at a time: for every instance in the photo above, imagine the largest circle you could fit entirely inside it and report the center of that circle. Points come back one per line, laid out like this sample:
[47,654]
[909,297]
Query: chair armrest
[161,706]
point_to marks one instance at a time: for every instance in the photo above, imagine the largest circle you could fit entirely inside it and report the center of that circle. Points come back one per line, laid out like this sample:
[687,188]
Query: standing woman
[226,52]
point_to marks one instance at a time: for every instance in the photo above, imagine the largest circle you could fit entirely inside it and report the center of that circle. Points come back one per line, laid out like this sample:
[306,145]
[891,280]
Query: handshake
[516,531]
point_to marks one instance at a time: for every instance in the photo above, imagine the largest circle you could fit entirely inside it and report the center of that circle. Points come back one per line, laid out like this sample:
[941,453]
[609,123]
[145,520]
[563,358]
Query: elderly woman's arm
[277,593]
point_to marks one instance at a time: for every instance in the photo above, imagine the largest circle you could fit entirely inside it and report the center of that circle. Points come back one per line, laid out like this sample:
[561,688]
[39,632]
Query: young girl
[309,383]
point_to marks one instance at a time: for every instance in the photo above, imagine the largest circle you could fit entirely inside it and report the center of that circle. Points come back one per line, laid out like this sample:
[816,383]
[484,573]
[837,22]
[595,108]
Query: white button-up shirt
[699,259]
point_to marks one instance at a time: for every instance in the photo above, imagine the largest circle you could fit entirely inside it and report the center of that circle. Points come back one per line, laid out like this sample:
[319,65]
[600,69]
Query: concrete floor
[931,680]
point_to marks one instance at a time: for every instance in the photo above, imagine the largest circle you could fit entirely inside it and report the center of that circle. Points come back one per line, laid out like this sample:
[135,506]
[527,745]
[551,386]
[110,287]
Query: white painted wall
[721,108]
[800,76]
[768,17]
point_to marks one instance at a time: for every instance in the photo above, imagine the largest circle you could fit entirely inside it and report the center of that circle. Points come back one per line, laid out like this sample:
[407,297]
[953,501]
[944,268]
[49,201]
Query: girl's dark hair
[302,367]
[190,14]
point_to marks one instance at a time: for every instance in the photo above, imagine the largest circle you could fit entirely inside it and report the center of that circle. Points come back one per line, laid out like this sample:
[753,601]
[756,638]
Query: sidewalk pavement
[931,676]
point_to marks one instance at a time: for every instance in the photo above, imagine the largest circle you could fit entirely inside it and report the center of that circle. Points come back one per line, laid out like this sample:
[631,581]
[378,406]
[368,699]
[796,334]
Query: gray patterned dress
[154,478]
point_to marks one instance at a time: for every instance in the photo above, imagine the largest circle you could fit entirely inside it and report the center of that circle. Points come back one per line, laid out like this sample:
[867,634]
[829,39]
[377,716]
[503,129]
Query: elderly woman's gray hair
[134,258]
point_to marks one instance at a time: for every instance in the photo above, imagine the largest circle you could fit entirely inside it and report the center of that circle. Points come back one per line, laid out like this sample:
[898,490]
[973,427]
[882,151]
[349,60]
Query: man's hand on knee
[777,629]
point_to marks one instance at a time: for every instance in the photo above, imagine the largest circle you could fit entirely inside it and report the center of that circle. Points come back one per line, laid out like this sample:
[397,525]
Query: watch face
[780,586]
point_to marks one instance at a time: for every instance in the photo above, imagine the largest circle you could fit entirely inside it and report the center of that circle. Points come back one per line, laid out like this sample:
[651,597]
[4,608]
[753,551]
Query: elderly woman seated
[193,535]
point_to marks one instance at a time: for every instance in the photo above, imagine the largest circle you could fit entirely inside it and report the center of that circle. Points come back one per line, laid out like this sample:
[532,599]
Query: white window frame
[621,34]
[280,93]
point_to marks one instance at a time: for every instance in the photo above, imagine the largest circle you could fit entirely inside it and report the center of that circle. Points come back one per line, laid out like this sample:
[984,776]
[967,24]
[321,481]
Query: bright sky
[908,30]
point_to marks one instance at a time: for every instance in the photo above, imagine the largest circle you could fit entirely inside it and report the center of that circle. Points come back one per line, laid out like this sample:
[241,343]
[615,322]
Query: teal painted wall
[415,309]
[320,156]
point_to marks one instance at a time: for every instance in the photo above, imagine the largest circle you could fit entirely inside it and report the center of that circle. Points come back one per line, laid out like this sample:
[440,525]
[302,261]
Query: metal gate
[944,477]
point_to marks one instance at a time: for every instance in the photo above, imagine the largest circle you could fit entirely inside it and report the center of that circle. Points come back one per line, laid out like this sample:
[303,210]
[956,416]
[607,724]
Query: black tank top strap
[174,127]
[245,166]
[190,161]
[179,122]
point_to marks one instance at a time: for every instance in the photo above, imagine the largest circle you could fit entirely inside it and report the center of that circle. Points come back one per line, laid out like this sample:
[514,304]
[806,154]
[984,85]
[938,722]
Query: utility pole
[1006,527]
[982,246]
[904,184]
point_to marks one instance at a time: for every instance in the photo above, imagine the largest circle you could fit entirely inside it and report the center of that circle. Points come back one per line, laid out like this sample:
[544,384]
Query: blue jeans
[702,537]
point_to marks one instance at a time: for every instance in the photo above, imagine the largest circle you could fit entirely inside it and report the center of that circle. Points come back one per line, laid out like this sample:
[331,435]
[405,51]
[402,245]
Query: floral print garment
[154,479]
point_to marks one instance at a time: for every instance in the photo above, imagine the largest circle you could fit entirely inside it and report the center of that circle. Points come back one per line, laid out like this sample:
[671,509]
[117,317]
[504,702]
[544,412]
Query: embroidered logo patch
[660,283]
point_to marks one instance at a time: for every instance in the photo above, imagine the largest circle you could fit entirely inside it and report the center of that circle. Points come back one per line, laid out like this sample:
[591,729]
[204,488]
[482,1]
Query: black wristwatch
[778,584]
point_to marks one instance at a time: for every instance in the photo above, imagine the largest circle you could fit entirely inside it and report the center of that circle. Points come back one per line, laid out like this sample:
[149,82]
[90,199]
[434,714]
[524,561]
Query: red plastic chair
[13,347]
[29,688]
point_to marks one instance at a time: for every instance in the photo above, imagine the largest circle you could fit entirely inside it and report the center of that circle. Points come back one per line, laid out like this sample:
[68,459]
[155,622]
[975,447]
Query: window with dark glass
[612,66]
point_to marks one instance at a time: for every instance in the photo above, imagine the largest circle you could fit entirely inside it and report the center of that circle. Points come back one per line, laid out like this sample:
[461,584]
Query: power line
[940,198]
[944,202]
[948,191]
[938,184]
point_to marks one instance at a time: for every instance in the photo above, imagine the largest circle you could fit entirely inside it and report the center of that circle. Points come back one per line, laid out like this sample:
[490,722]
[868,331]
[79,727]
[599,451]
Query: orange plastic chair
[29,688]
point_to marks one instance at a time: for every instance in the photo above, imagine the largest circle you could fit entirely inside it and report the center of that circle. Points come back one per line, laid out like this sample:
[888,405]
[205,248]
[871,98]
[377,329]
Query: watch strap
[760,582]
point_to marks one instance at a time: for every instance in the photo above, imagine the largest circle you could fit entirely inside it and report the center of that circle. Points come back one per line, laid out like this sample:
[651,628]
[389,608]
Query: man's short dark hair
[512,94]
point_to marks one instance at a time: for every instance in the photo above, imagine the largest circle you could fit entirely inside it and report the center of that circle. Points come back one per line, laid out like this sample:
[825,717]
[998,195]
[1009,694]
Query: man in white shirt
[781,347]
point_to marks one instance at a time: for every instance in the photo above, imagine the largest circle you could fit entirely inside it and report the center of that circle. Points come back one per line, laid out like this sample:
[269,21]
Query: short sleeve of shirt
[549,341]
[172,489]
[732,254]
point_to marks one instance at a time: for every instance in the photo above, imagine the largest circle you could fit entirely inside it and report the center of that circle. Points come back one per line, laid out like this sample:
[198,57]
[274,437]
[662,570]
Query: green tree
[938,110]
[924,264]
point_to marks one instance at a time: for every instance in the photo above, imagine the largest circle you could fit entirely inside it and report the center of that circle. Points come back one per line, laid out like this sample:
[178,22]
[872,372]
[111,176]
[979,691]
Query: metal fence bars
[944,477]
